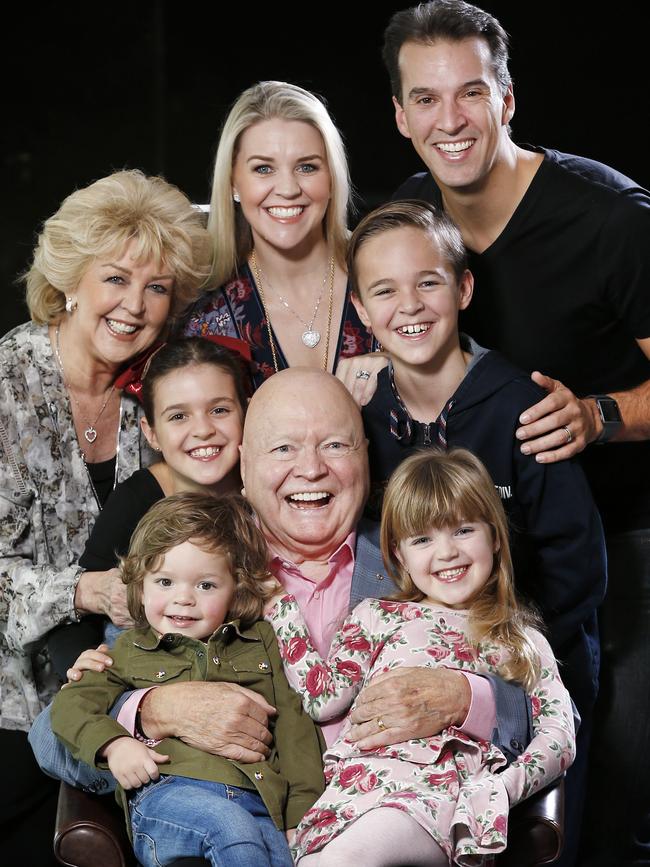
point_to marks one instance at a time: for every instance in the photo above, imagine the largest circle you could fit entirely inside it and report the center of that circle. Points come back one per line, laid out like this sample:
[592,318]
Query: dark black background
[89,88]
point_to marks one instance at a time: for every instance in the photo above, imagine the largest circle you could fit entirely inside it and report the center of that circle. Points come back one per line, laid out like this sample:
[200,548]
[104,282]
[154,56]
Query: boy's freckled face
[190,592]
[410,296]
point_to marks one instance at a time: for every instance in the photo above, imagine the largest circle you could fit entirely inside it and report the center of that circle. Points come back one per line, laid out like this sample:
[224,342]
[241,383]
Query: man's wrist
[151,719]
[606,417]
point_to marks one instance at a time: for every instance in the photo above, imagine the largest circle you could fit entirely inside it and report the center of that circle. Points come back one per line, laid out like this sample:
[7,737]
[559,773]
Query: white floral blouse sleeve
[37,582]
[552,749]
[327,686]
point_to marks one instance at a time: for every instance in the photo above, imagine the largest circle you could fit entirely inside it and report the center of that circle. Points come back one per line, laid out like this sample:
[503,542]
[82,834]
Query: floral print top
[235,310]
[47,509]
[458,789]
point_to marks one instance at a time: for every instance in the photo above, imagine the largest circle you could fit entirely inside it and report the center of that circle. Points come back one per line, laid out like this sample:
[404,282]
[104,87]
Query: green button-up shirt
[289,781]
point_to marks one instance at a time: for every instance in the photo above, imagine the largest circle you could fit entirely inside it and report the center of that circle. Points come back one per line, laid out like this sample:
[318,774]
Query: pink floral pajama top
[459,790]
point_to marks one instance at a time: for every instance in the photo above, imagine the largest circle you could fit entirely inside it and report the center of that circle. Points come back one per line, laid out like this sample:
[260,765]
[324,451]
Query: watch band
[610,416]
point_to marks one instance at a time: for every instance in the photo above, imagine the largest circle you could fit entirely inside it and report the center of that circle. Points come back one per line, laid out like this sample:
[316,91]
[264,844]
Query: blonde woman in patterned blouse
[117,260]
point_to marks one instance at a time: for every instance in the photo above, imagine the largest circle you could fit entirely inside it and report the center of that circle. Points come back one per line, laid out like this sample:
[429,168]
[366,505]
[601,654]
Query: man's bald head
[304,462]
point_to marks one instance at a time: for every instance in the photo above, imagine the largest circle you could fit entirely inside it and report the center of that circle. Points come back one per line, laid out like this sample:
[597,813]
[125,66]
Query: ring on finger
[569,435]
[363,374]
[381,725]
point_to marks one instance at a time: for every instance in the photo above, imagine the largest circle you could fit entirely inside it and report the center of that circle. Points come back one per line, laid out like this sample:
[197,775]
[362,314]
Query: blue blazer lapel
[369,579]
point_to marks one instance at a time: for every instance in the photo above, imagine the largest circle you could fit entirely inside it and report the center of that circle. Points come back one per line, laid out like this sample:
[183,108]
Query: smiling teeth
[122,327]
[284,213]
[420,328]
[309,496]
[205,451]
[451,573]
[454,147]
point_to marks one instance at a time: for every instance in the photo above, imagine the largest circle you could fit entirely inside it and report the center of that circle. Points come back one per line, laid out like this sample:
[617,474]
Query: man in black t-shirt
[559,247]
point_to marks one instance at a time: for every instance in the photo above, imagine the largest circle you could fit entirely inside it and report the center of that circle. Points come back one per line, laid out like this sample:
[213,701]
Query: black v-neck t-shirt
[565,289]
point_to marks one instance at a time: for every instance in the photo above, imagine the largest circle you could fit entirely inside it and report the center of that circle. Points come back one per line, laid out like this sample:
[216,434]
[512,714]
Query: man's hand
[352,373]
[89,660]
[559,426]
[132,763]
[409,703]
[220,718]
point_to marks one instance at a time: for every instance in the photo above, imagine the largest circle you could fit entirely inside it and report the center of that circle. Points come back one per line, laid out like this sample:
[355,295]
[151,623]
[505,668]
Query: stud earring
[235,197]
[70,304]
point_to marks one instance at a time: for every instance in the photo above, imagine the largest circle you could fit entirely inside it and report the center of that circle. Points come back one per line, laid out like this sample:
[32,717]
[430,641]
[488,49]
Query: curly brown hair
[223,525]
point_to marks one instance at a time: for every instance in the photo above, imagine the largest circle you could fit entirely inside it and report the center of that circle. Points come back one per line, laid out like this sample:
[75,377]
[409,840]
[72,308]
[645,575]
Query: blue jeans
[178,817]
[57,761]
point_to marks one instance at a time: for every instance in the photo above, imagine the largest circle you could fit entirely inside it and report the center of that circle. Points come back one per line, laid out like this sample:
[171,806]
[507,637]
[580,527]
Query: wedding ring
[363,374]
[381,725]
[569,435]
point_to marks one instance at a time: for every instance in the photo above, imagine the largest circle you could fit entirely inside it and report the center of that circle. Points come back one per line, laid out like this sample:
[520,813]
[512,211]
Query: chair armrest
[536,829]
[90,831]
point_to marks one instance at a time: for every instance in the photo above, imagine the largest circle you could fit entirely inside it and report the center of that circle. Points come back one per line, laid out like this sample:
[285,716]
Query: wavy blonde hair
[102,219]
[267,100]
[223,525]
[435,489]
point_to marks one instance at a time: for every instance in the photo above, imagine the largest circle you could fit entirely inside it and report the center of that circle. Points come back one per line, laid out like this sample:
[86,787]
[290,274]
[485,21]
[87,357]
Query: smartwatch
[610,416]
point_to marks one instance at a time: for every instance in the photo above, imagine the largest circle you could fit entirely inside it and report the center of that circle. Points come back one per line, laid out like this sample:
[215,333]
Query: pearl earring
[70,304]
[235,197]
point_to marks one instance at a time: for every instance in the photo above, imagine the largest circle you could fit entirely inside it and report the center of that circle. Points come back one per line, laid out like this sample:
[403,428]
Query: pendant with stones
[311,338]
[90,434]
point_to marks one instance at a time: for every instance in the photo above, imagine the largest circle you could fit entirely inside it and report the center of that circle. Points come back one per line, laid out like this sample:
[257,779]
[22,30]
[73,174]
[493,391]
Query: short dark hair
[444,19]
[186,352]
[409,213]
[223,525]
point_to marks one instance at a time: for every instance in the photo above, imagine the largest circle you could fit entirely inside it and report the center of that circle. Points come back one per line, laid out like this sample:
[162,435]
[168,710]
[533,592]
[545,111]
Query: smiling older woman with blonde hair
[117,260]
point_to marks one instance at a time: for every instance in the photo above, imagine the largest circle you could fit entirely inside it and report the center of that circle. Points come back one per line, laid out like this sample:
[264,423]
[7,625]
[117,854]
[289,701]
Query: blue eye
[263,170]
[307,168]
[117,279]
[158,288]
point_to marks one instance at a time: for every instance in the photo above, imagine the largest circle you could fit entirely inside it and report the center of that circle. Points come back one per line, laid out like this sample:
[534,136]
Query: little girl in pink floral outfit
[444,799]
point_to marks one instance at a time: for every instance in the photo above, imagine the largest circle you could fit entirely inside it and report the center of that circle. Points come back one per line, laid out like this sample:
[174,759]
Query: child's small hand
[291,836]
[132,763]
[89,660]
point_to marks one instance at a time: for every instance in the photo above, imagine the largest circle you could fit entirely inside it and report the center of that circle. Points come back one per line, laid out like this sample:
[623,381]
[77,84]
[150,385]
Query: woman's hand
[89,660]
[103,593]
[352,373]
[132,763]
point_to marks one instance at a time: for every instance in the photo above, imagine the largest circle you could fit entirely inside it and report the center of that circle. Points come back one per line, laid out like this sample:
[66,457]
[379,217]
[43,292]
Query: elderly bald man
[305,471]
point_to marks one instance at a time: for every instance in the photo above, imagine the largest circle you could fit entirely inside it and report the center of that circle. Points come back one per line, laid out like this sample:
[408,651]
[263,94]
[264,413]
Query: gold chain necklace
[258,279]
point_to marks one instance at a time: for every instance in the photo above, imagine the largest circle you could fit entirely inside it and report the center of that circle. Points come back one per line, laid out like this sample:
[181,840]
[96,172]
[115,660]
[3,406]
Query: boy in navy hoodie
[408,270]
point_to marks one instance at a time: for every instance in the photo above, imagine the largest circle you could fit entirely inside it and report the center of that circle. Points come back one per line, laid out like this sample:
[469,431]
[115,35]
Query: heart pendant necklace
[310,337]
[90,433]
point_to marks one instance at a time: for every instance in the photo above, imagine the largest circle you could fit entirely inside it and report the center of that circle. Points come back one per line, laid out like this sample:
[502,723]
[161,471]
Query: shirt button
[216,660]
[286,564]
[379,577]
[317,594]
[516,745]
[259,775]
[200,654]
[263,666]
[225,630]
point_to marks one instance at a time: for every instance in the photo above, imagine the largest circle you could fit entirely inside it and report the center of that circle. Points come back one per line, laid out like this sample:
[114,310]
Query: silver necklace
[310,336]
[90,433]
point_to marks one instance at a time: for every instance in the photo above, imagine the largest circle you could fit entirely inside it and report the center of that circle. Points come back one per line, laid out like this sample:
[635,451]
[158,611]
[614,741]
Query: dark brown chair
[91,832]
